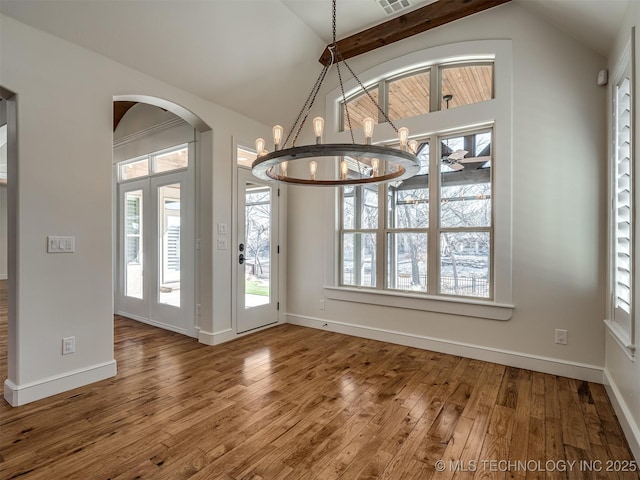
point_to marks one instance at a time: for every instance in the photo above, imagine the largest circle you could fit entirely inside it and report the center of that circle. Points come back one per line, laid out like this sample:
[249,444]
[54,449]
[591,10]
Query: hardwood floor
[297,403]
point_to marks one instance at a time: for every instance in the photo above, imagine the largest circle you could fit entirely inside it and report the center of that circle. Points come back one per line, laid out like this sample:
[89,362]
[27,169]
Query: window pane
[257,286]
[407,261]
[360,108]
[466,181]
[464,264]
[133,244]
[245,157]
[169,243]
[359,259]
[369,212]
[139,168]
[171,160]
[409,208]
[409,96]
[348,208]
[408,201]
[466,85]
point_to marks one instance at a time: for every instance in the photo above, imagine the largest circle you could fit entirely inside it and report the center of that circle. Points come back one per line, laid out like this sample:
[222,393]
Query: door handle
[241,259]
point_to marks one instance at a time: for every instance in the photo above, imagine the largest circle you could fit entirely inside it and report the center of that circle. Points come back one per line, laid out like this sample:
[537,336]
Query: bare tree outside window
[258,241]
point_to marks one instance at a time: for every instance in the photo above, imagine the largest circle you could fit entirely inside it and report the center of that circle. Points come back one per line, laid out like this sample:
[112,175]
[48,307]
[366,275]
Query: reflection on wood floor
[298,403]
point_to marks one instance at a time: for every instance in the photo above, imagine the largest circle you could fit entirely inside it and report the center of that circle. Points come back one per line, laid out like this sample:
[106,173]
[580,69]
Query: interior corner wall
[3,232]
[65,99]
[559,215]
[622,375]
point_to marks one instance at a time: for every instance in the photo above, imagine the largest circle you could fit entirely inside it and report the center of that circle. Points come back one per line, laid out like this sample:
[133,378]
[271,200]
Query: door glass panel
[133,243]
[169,243]
[257,286]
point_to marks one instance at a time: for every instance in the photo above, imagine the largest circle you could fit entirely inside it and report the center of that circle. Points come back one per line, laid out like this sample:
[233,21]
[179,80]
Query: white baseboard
[17,395]
[553,366]
[627,422]
[205,337]
[154,323]
[216,338]
[4,276]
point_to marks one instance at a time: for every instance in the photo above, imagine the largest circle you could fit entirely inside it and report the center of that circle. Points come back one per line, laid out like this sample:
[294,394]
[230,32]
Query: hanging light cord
[336,58]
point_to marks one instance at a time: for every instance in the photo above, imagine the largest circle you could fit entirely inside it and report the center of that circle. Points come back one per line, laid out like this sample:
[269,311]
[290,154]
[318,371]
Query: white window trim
[498,111]
[623,337]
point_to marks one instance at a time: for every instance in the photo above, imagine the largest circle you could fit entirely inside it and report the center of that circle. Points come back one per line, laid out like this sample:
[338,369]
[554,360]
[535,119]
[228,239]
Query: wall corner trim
[17,395]
[627,422]
[553,366]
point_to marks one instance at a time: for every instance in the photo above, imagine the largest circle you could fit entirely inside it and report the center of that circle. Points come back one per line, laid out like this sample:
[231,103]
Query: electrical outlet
[561,336]
[323,304]
[68,345]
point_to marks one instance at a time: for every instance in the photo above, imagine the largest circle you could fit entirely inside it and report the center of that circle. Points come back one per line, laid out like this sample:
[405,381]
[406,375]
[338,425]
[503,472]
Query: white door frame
[248,319]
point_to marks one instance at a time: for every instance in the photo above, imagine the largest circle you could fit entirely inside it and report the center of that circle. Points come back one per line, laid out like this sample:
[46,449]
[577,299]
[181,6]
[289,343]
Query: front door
[256,253]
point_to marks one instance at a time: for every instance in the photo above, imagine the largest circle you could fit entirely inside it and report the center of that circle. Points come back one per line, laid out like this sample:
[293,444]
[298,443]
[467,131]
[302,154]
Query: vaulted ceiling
[242,54]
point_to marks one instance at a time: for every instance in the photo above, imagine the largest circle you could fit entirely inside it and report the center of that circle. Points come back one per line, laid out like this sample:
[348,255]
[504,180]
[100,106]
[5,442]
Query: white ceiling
[249,46]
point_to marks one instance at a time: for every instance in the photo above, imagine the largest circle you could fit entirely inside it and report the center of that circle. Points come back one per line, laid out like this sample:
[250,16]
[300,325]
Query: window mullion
[381,238]
[433,260]
[435,88]
[383,100]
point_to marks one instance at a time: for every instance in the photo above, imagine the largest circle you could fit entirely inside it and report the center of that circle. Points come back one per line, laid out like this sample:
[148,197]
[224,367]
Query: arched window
[417,92]
[442,239]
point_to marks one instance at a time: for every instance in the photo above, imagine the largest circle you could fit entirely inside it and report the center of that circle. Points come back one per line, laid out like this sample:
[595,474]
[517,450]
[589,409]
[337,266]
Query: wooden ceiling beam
[407,25]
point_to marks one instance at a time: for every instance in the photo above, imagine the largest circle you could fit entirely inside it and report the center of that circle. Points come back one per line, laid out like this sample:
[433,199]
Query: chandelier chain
[384,114]
[344,100]
[334,22]
[306,107]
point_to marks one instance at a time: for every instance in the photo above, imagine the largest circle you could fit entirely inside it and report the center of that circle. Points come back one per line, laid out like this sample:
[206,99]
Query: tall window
[623,202]
[436,233]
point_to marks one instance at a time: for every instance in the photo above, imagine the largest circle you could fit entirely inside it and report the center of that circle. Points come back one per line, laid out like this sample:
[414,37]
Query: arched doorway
[155,158]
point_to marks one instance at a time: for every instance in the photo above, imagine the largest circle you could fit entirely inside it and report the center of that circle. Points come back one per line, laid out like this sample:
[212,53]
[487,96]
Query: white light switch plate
[58,244]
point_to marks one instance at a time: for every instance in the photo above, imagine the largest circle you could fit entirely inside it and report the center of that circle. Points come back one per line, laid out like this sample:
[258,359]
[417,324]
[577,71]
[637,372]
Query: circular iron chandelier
[349,163]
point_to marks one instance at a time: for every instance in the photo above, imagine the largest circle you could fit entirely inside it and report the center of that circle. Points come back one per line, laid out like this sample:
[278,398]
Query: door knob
[241,259]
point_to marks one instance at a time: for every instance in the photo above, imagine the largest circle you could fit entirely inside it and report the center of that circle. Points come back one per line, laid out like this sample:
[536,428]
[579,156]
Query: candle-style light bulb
[259,146]
[403,136]
[277,136]
[374,166]
[283,168]
[344,169]
[318,128]
[413,146]
[368,124]
[313,167]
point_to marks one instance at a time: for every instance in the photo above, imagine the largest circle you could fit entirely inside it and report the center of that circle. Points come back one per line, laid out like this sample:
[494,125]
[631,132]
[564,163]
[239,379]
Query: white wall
[622,375]
[558,213]
[64,101]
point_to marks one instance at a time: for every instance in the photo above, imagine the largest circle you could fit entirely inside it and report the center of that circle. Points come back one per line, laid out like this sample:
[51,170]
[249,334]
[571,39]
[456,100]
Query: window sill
[452,306]
[622,338]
